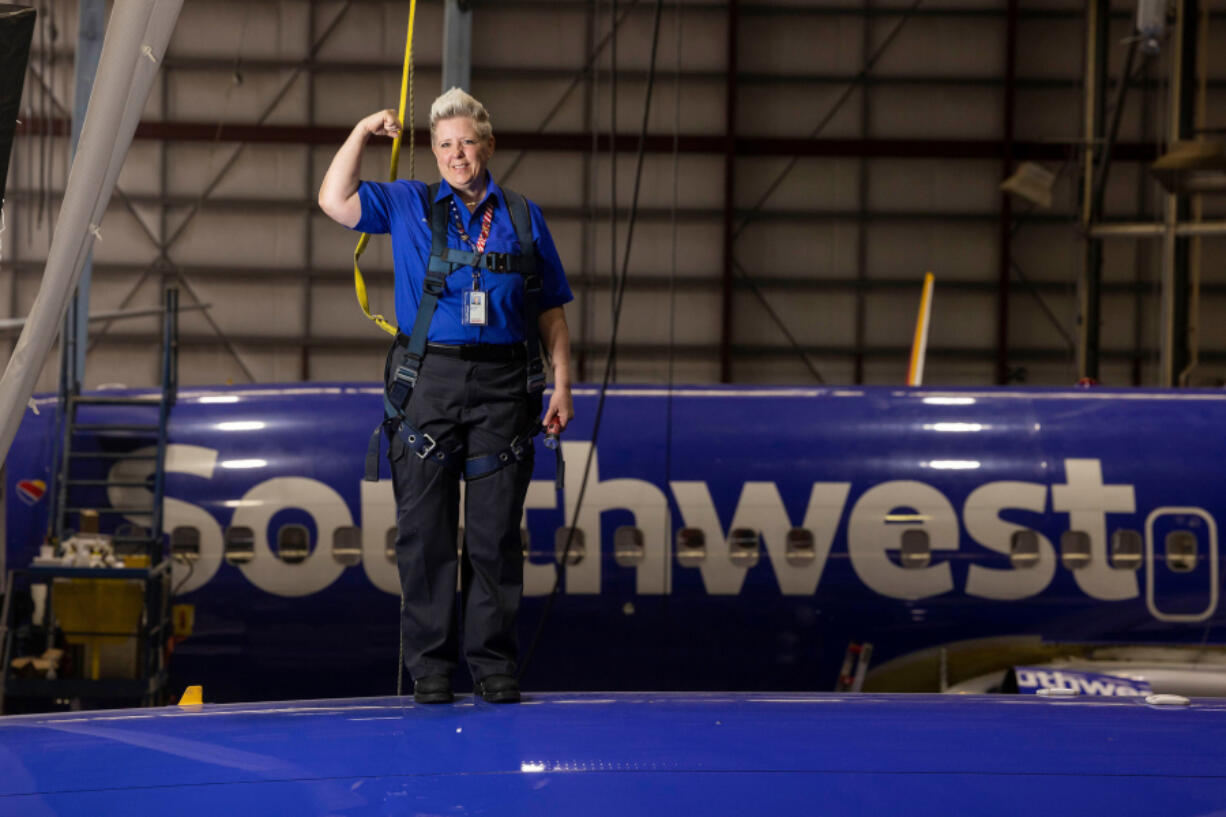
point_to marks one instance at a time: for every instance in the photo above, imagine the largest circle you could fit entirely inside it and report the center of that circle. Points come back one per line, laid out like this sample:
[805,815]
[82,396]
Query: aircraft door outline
[1150,595]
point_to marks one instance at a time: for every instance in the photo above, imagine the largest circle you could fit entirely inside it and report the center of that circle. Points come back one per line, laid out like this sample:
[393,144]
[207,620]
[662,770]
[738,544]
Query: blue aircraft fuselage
[729,538]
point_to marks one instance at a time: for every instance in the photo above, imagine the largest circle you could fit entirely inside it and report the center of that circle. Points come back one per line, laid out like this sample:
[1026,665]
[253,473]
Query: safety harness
[399,384]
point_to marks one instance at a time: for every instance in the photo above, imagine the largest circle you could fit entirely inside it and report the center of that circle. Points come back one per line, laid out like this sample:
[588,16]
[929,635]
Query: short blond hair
[455,103]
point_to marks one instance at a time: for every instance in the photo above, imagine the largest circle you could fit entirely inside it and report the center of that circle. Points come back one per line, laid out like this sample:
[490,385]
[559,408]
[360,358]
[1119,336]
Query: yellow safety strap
[406,93]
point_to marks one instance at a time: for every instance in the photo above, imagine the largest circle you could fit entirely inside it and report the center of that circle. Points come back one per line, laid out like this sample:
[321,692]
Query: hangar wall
[903,178]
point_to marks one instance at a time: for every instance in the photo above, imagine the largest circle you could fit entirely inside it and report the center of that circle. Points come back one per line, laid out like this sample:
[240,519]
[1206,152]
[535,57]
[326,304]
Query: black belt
[480,352]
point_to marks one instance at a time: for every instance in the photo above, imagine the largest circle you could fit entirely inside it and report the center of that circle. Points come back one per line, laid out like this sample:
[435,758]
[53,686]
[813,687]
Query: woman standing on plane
[480,284]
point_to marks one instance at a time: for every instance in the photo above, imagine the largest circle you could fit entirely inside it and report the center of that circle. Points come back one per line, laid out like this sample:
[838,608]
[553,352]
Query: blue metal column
[457,44]
[91,24]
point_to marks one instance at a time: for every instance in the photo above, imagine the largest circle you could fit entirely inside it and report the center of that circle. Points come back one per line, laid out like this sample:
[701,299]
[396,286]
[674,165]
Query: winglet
[192,696]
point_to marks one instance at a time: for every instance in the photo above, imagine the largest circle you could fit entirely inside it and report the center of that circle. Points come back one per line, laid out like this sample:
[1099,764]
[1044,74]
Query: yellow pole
[919,345]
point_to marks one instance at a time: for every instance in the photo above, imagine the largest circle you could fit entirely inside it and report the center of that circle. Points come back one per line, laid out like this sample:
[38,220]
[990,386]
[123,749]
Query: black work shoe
[498,689]
[435,689]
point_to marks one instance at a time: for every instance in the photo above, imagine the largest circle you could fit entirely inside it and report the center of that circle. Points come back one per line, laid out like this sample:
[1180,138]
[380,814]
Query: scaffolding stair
[142,546]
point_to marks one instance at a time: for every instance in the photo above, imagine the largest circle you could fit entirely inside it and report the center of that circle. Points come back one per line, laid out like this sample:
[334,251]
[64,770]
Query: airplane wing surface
[624,754]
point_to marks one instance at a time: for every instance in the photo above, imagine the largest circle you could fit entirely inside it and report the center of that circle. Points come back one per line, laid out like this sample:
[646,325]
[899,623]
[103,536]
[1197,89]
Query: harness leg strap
[519,449]
[426,448]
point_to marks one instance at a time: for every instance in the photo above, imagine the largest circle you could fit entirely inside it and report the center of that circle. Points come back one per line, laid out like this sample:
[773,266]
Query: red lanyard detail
[486,220]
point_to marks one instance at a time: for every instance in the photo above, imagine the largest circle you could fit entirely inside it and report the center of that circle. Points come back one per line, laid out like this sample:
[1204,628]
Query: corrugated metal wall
[903,178]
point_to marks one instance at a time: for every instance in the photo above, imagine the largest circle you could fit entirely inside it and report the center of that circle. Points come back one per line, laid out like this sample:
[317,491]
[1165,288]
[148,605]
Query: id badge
[474,308]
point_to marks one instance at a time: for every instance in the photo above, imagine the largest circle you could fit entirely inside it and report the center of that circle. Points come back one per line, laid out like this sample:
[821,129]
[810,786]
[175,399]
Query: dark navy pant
[473,408]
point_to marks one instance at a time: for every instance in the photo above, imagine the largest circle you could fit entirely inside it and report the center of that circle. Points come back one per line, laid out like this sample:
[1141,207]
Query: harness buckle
[435,286]
[517,448]
[497,261]
[407,374]
[426,449]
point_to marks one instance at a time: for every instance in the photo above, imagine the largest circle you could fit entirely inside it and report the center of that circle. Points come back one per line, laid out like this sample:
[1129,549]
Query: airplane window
[293,544]
[578,545]
[1074,549]
[628,549]
[800,547]
[1024,549]
[743,547]
[1126,550]
[691,547]
[1181,551]
[915,552]
[239,544]
[389,543]
[185,543]
[347,545]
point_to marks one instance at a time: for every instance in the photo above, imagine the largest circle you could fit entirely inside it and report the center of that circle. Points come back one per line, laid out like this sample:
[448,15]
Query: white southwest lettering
[192,460]
[256,510]
[870,536]
[1074,682]
[538,577]
[1087,501]
[378,509]
[644,500]
[981,516]
[719,575]
[760,508]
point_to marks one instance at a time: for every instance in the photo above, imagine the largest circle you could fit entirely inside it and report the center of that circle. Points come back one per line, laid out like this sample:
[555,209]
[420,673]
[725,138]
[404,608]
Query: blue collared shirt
[401,208]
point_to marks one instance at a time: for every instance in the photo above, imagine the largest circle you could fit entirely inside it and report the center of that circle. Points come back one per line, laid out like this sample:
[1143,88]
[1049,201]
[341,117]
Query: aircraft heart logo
[31,491]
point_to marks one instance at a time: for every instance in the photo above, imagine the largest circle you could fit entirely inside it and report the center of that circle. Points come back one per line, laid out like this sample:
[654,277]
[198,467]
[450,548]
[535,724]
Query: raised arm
[338,194]
[556,336]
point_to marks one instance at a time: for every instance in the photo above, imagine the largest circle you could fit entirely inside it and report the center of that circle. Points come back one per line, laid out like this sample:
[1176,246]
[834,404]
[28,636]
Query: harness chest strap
[444,260]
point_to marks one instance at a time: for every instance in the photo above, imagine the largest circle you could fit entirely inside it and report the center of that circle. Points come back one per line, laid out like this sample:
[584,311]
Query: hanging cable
[611,352]
[589,225]
[44,126]
[53,36]
[236,81]
[190,564]
[406,96]
[27,144]
[608,370]
[672,268]
[672,272]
